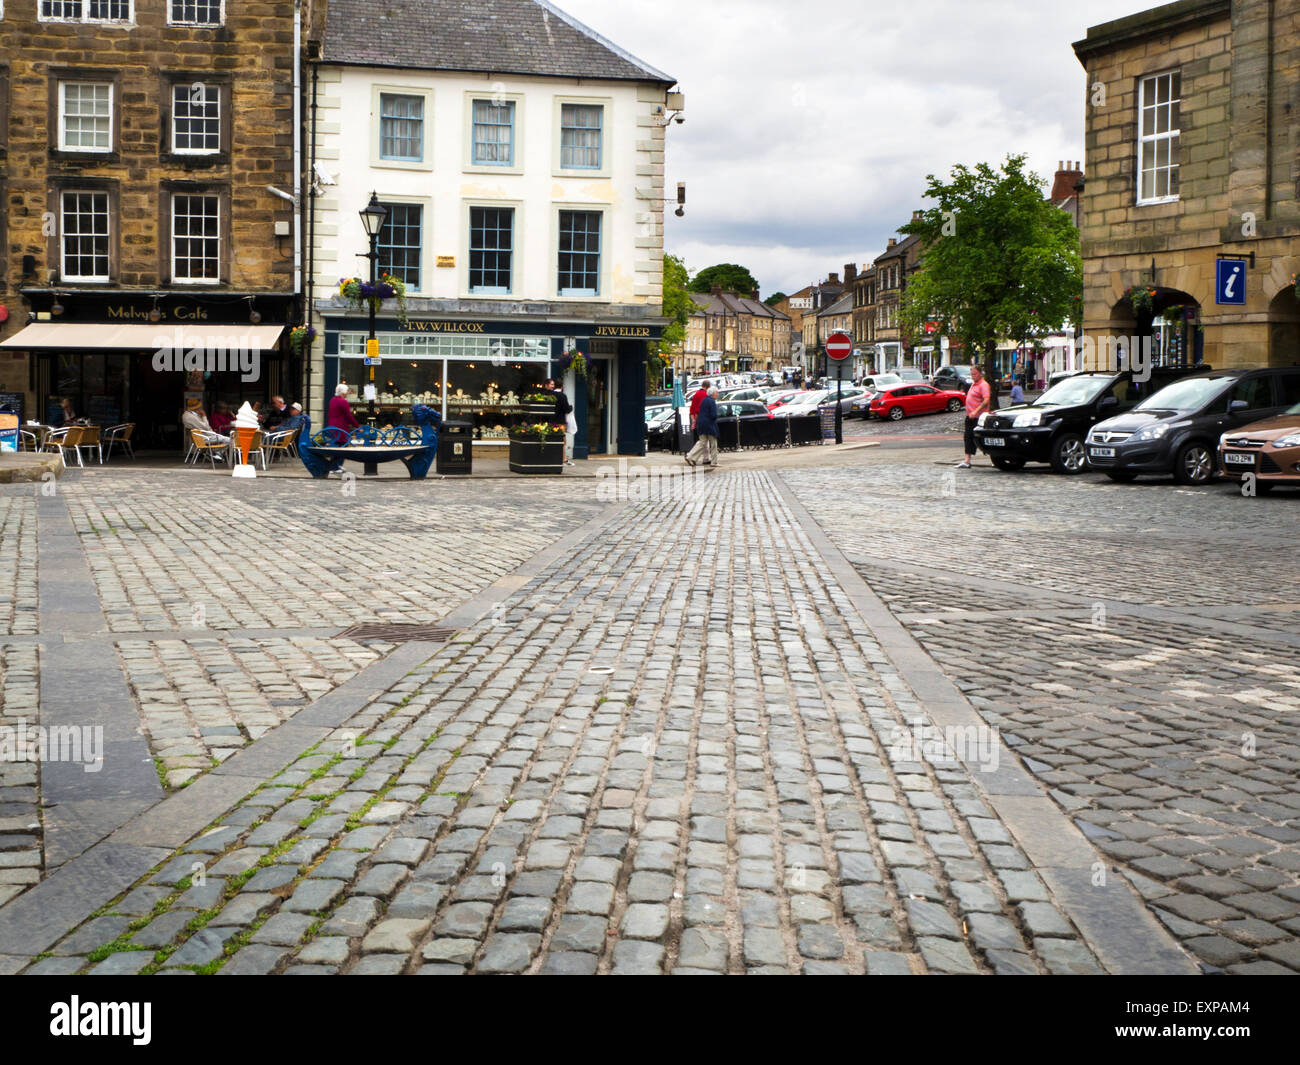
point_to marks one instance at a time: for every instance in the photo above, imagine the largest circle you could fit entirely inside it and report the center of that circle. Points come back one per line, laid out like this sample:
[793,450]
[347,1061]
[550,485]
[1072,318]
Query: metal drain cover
[388,632]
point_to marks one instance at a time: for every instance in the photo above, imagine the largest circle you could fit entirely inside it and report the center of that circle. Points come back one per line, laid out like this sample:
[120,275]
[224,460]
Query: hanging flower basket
[1141,298]
[1295,286]
[301,337]
[575,361]
[362,295]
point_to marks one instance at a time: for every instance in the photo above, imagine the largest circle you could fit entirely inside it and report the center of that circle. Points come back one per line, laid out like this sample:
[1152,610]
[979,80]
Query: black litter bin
[456,448]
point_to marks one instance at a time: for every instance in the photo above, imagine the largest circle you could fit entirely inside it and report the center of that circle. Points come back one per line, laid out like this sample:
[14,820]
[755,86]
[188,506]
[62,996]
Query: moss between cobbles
[236,882]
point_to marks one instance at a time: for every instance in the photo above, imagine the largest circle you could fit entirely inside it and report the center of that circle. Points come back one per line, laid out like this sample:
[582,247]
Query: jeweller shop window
[478,379]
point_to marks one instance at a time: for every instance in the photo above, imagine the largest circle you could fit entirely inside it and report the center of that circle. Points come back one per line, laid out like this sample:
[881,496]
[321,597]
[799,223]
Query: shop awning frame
[137,336]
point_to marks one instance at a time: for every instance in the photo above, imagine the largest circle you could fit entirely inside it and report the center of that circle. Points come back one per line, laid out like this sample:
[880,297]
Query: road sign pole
[839,410]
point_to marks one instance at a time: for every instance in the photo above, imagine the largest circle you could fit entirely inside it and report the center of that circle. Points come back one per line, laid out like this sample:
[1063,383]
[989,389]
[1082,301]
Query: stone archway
[1284,328]
[1170,325]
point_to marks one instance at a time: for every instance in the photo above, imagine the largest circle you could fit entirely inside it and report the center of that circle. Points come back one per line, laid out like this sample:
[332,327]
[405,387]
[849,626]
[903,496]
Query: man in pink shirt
[977,402]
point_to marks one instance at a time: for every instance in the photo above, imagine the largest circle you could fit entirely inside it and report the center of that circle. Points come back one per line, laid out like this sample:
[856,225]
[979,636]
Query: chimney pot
[716,290]
[892,242]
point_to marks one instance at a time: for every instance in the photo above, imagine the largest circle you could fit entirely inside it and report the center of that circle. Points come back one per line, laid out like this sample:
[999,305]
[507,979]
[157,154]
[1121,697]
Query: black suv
[1052,428]
[1177,430]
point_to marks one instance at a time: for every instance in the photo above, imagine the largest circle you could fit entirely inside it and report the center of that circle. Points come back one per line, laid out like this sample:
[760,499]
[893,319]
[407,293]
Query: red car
[898,401]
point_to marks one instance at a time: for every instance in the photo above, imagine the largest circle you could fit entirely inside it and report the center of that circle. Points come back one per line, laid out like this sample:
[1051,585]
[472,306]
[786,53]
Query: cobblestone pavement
[1136,645]
[221,603]
[670,752]
[918,425]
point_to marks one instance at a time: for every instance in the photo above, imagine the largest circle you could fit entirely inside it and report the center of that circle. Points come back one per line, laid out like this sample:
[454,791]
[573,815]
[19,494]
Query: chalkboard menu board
[828,421]
[12,401]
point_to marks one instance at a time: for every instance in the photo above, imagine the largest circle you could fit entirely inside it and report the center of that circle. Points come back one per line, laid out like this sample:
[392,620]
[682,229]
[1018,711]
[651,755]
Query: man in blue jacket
[706,428]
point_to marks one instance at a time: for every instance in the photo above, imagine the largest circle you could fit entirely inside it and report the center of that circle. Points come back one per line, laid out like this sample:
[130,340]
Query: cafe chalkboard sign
[13,401]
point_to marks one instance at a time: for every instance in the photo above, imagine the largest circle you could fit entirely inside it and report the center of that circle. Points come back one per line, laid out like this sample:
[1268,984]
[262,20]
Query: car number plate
[994,441]
[1102,452]
[1238,458]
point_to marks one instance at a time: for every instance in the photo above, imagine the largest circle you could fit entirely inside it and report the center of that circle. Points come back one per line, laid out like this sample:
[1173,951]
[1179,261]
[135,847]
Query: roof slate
[492,36]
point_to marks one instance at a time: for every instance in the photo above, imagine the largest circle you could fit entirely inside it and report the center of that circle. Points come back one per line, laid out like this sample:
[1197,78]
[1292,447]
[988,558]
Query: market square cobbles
[1136,646]
[673,751]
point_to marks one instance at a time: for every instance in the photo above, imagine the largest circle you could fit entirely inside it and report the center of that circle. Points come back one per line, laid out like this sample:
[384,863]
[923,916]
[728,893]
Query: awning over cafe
[135,336]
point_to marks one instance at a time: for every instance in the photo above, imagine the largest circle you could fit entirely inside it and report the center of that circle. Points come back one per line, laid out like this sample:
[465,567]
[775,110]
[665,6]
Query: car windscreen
[1190,394]
[1073,391]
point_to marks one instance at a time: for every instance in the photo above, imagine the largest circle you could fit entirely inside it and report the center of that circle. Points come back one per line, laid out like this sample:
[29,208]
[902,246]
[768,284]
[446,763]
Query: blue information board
[1230,283]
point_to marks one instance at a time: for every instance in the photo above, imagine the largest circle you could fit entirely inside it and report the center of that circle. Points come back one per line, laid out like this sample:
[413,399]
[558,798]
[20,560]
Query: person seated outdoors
[292,420]
[221,419]
[69,415]
[273,418]
[195,418]
[340,414]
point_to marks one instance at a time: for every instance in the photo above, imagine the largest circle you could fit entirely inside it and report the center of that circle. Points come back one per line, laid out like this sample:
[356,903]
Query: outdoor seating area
[75,443]
[265,447]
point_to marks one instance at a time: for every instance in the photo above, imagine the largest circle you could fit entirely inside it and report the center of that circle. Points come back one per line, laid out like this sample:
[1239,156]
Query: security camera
[680,119]
[323,175]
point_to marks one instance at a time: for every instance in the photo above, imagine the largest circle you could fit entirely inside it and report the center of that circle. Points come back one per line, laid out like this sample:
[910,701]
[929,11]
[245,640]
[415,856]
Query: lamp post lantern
[372,218]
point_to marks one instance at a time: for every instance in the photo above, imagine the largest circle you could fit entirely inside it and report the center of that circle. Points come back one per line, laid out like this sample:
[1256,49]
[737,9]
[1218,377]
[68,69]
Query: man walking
[706,427]
[564,413]
[977,402]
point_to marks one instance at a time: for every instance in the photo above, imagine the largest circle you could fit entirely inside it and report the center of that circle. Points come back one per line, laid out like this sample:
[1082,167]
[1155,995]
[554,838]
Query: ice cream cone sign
[246,426]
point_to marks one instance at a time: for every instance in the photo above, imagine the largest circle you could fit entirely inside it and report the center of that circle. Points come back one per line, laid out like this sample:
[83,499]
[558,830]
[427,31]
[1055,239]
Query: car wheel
[895,414]
[954,405]
[1120,477]
[1006,462]
[1194,464]
[1068,454]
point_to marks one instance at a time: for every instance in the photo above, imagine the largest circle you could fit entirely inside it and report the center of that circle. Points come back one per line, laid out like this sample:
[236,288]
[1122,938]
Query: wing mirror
[1108,402]
[1236,405]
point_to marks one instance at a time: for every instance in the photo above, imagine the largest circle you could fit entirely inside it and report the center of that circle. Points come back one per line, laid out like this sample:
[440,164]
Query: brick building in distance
[1193,155]
[139,140]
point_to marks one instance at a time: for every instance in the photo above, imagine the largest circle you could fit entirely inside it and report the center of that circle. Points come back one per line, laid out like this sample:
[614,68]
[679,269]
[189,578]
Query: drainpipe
[310,311]
[297,150]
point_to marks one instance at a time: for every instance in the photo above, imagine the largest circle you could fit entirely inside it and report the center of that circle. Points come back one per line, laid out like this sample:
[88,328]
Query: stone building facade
[1193,155]
[730,332]
[893,267]
[138,140]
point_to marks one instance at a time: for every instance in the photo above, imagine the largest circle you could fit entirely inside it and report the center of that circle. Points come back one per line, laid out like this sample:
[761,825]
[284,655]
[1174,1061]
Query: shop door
[157,399]
[597,406]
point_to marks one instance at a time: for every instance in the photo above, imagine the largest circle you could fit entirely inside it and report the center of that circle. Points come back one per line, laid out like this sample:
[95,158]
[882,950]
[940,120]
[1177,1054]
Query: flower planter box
[534,456]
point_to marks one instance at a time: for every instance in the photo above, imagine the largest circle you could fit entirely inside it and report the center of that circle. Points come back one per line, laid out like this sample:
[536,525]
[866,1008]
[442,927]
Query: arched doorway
[1284,328]
[1165,320]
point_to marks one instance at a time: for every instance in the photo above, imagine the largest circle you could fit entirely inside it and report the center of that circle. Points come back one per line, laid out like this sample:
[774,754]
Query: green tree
[677,309]
[998,260]
[731,277]
[775,298]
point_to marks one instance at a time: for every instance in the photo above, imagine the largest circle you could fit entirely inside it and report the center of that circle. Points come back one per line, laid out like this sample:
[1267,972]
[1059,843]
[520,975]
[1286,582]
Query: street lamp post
[372,218]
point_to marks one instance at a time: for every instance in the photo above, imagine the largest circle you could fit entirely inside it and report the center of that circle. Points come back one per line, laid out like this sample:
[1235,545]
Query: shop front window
[478,379]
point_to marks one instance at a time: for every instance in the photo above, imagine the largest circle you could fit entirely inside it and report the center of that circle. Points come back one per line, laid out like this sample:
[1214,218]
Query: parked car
[1177,430]
[774,400]
[953,378]
[751,392]
[899,401]
[658,401]
[1058,377]
[1052,428]
[803,403]
[912,377]
[1269,449]
[873,383]
[847,397]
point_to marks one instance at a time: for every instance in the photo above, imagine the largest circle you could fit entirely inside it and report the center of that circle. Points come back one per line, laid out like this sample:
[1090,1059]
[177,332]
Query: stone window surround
[171,78]
[516,207]
[1174,136]
[73,183]
[468,165]
[221,16]
[606,103]
[168,189]
[85,16]
[603,266]
[425,204]
[377,161]
[58,76]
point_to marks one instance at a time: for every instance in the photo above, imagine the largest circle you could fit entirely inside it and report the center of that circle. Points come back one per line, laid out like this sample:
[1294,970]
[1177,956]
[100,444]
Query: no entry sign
[839,346]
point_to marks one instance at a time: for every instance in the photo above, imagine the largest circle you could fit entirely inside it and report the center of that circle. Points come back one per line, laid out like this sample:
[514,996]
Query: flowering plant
[1141,298]
[301,336]
[361,293]
[536,431]
[574,360]
[1295,285]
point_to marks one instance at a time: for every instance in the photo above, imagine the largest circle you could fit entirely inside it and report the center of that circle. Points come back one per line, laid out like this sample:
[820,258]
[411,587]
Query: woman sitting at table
[222,419]
[69,415]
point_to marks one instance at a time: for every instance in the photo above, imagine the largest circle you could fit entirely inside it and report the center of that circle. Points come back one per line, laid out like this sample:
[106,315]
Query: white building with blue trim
[520,157]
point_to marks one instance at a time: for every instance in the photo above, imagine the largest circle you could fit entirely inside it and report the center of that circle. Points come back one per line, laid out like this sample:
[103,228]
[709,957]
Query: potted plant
[362,295]
[537,448]
[301,336]
[1141,298]
[538,403]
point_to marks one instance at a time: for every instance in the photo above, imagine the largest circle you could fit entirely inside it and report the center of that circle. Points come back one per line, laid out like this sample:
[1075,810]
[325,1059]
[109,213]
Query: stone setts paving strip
[671,750]
[1136,647]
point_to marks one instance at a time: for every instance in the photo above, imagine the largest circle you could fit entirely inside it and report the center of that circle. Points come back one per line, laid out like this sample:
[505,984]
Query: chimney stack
[754,295]
[716,290]
[892,241]
[832,279]
[850,273]
[916,216]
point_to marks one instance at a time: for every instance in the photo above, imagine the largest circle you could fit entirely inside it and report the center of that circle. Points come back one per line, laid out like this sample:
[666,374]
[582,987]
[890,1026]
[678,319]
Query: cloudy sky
[810,127]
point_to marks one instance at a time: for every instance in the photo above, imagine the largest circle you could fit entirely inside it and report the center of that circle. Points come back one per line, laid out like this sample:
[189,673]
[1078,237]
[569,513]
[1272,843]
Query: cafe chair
[210,444]
[28,441]
[64,439]
[276,444]
[90,441]
[119,435]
